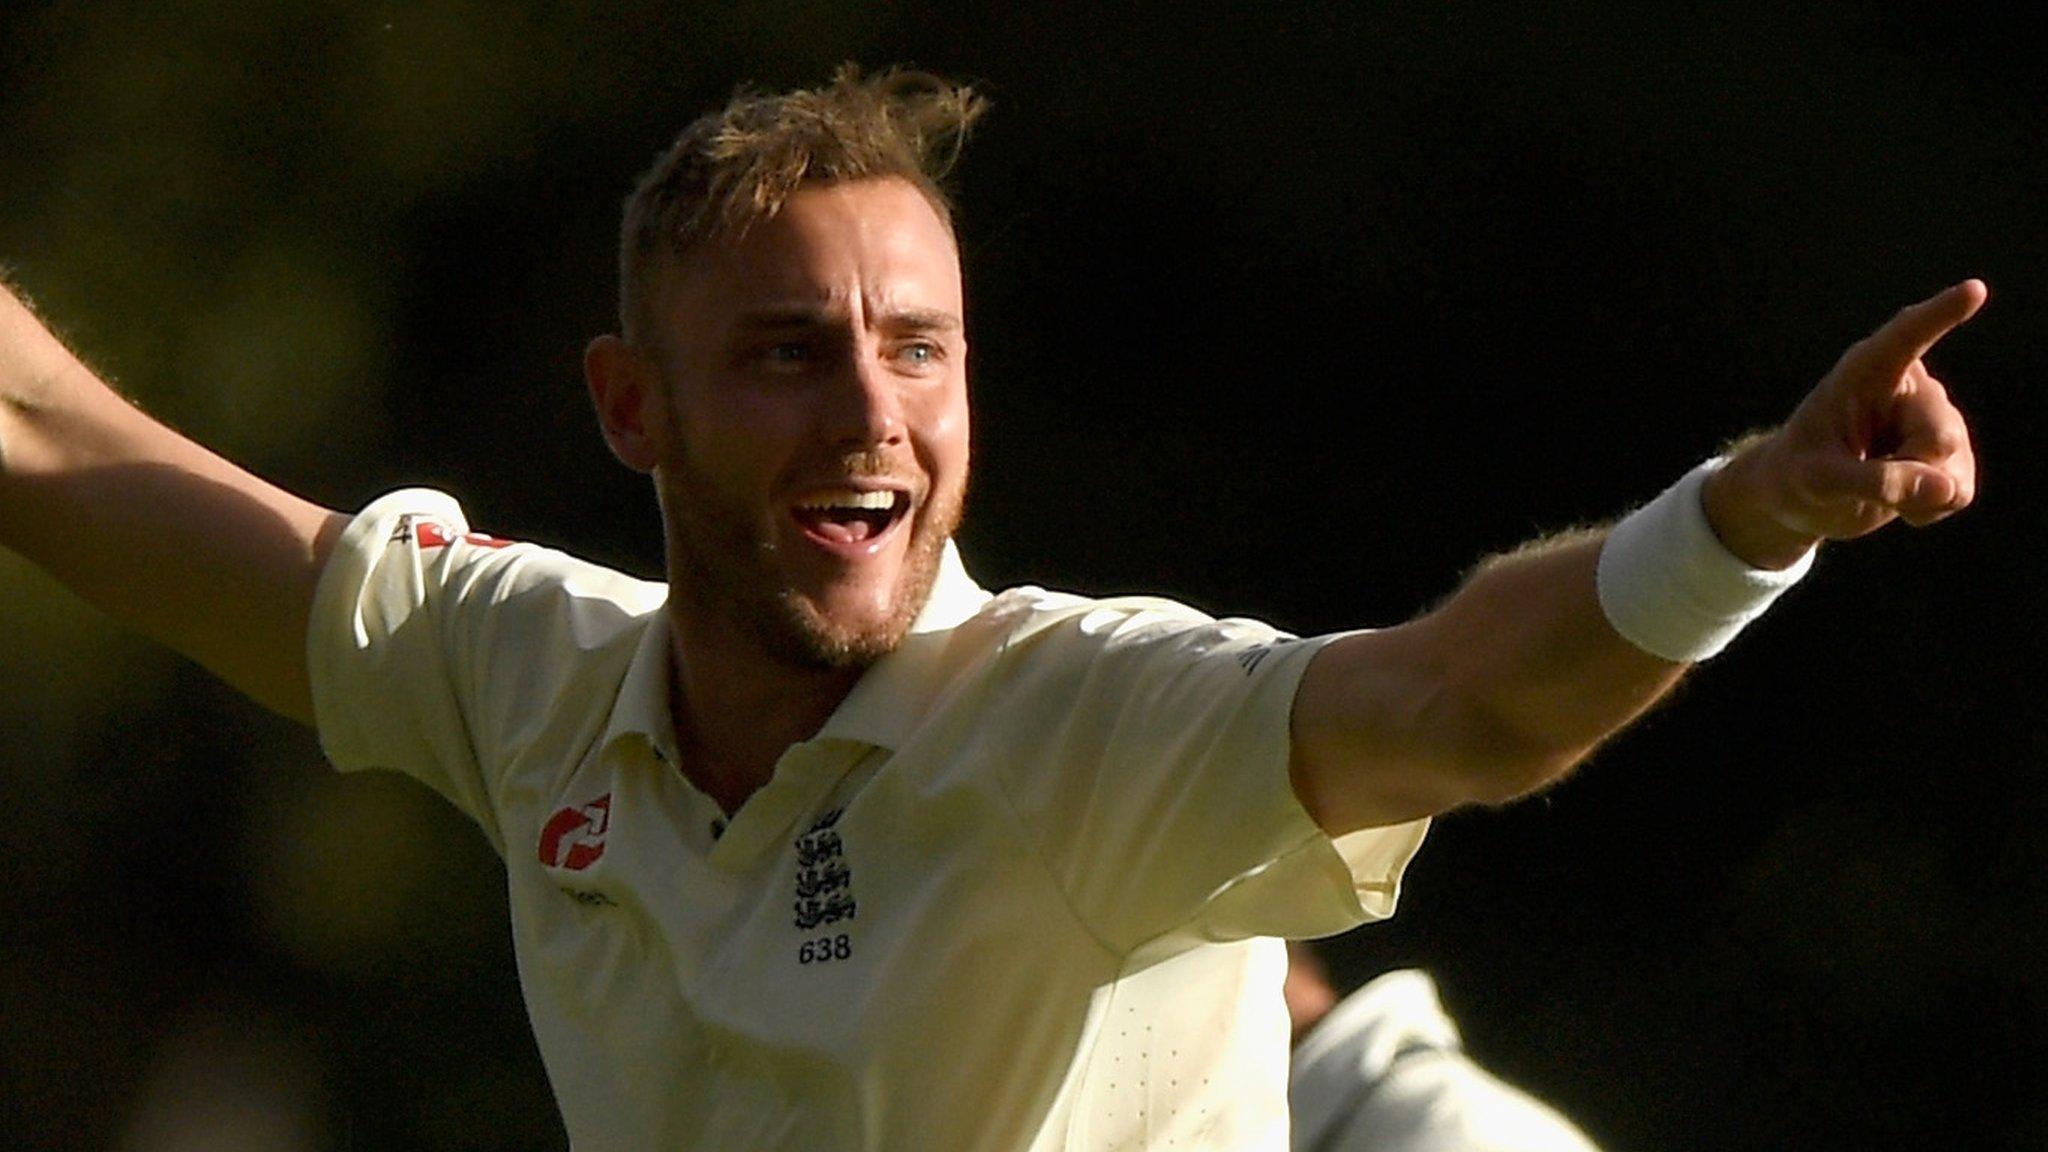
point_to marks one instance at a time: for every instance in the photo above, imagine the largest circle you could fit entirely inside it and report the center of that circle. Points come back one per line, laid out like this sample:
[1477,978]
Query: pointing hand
[1878,439]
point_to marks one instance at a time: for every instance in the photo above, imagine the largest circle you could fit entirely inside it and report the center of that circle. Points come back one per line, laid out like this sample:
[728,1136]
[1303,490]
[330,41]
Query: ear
[626,390]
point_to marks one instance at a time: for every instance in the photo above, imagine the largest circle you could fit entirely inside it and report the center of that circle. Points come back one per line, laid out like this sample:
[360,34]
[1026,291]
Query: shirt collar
[642,708]
[893,694]
[882,706]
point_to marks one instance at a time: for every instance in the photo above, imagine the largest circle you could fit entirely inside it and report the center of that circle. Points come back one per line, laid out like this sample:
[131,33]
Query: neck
[737,711]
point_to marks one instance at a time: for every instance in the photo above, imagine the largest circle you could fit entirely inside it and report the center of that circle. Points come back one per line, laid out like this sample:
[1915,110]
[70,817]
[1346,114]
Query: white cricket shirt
[1017,893]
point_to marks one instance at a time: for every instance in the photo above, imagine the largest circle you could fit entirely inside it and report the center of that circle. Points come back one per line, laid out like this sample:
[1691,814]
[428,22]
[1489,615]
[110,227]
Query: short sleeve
[1156,782]
[435,650]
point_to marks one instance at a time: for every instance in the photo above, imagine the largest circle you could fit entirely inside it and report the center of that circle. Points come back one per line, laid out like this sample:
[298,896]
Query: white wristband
[1669,585]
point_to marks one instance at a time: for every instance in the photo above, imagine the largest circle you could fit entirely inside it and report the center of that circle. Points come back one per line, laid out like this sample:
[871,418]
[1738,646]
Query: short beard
[797,634]
[706,568]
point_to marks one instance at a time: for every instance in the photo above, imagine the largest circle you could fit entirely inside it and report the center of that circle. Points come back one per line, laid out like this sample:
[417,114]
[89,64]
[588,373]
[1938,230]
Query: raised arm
[1522,673]
[153,529]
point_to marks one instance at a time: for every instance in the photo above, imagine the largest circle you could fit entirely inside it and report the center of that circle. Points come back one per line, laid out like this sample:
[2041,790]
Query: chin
[848,629]
[808,637]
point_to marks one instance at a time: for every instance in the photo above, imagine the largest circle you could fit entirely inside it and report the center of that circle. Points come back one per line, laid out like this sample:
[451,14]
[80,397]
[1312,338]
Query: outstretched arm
[1522,673]
[153,529]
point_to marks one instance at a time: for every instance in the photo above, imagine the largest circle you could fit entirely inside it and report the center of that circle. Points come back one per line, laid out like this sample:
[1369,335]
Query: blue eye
[919,354]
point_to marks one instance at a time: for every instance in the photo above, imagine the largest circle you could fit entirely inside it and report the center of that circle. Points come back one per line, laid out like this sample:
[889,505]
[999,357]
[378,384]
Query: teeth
[867,501]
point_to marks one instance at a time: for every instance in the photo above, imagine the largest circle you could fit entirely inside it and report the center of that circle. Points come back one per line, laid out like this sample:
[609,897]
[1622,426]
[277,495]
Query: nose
[865,409]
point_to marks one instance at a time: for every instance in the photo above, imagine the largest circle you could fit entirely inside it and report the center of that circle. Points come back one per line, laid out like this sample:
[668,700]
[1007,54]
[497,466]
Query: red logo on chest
[574,837]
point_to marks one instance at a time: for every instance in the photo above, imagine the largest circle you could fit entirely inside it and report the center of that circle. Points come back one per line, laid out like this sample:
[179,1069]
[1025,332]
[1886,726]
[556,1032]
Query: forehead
[867,246]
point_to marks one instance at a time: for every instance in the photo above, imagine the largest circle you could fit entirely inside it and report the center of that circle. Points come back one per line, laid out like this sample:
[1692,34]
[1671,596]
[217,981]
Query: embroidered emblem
[824,884]
[573,838]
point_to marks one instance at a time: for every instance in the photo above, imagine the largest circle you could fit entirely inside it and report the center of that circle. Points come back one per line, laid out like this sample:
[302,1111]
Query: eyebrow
[924,320]
[786,317]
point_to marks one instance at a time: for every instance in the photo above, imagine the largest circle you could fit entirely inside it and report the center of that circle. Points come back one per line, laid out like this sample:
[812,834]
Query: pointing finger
[1907,336]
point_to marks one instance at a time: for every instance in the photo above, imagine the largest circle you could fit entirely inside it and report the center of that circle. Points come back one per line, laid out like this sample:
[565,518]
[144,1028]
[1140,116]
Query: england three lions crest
[824,883]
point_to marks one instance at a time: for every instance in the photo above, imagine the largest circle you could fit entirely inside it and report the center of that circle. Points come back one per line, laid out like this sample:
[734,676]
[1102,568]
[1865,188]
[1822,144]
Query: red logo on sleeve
[434,534]
[574,837]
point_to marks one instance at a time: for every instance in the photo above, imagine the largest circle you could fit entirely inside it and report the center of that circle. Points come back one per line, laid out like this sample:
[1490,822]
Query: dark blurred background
[1289,310]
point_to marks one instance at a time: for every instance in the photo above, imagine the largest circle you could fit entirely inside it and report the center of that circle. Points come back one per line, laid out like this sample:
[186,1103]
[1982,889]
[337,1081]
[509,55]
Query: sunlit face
[815,459]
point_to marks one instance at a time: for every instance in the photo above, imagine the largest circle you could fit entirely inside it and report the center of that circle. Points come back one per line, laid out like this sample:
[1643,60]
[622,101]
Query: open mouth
[847,516]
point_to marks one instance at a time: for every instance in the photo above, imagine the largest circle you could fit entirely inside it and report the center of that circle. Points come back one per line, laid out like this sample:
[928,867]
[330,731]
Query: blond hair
[735,168]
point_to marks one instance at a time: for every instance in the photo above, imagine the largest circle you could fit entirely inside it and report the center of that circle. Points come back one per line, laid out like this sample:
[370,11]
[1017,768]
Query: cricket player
[816,844]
